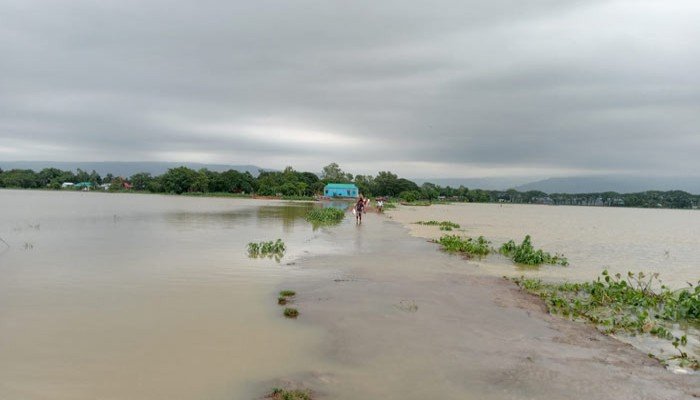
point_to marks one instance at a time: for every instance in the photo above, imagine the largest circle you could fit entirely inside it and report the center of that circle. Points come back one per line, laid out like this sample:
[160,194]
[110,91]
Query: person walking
[359,209]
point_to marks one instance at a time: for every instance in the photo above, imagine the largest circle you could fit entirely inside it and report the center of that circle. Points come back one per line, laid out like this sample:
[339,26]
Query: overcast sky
[457,88]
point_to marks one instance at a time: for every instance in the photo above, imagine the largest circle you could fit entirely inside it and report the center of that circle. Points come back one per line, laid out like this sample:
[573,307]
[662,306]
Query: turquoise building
[341,190]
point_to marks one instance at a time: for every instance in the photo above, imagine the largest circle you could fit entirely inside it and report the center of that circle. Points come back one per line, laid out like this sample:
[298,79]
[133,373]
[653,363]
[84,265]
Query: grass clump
[284,297]
[525,253]
[389,205]
[289,394]
[444,225]
[290,312]
[630,304]
[325,216]
[469,246]
[267,249]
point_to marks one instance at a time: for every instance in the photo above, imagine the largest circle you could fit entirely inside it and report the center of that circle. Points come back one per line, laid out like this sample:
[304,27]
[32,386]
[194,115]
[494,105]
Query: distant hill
[620,184]
[124,169]
[475,183]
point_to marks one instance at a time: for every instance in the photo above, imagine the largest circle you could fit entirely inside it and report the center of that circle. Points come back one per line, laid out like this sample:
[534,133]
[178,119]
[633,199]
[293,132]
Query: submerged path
[406,321]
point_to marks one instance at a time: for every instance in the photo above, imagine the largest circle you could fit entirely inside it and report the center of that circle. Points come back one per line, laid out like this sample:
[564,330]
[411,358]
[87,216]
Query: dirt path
[406,321]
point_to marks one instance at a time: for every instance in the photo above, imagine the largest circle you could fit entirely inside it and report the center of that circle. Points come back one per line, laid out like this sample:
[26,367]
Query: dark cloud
[452,88]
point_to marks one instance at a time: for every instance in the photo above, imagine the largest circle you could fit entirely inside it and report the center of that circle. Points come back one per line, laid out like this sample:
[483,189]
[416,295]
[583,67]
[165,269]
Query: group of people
[361,207]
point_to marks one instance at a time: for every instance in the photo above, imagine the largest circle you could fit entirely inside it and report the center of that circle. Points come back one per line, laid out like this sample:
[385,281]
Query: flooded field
[146,297]
[109,296]
[592,238]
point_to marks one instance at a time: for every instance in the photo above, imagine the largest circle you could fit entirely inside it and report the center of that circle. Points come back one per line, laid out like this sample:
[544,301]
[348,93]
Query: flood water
[592,238]
[107,296]
[111,296]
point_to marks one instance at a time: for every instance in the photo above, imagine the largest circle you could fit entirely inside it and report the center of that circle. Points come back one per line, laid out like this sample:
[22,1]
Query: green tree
[141,180]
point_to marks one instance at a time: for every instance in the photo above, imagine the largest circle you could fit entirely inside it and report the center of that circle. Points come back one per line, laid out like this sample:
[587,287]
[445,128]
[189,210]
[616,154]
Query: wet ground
[406,321]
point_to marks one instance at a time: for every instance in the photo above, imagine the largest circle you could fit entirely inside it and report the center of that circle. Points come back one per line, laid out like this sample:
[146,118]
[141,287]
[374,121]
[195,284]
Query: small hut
[341,190]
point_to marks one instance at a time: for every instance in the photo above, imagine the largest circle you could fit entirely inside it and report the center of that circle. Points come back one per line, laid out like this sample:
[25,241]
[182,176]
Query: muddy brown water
[106,296]
[592,238]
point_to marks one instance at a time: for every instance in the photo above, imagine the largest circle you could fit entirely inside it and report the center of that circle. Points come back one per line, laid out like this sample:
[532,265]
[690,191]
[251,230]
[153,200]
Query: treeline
[292,183]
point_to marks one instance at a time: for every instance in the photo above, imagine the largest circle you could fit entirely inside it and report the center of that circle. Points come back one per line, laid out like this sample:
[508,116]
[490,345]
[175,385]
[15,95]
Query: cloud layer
[439,88]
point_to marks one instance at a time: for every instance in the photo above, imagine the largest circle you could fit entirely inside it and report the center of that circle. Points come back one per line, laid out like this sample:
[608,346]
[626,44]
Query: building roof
[341,186]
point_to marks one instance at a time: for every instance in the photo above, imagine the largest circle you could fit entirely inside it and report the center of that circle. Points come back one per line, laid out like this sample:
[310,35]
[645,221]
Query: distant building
[67,184]
[83,185]
[341,190]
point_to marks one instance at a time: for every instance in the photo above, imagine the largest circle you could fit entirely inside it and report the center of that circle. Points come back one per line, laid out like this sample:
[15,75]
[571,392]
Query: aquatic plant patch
[525,253]
[443,225]
[325,216]
[291,312]
[267,249]
[289,394]
[465,245]
[285,296]
[389,205]
[625,304]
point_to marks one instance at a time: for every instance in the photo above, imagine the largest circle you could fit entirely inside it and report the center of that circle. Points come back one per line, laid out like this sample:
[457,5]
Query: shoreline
[404,320]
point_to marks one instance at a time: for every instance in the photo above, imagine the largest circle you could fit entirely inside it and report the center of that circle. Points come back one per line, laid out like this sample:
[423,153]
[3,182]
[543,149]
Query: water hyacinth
[325,216]
[469,246]
[267,249]
[625,304]
[525,253]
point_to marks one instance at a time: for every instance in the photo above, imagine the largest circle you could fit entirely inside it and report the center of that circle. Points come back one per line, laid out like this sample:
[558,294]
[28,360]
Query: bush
[525,253]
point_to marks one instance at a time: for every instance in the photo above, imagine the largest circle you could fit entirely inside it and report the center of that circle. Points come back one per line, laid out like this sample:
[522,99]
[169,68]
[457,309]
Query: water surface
[146,297]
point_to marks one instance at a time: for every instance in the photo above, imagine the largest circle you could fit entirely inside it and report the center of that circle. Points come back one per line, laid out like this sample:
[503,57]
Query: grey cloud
[553,85]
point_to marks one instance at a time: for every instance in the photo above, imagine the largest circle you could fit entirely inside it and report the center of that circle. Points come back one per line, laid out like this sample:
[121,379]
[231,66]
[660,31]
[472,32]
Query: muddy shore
[406,321]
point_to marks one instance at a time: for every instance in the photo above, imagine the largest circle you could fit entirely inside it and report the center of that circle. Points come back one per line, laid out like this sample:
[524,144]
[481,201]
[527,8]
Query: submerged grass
[267,249]
[290,312]
[525,253]
[289,394]
[629,304]
[444,225]
[284,296]
[325,216]
[468,246]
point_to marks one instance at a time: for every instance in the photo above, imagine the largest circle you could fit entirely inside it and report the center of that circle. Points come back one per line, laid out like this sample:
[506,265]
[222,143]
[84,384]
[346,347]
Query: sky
[440,88]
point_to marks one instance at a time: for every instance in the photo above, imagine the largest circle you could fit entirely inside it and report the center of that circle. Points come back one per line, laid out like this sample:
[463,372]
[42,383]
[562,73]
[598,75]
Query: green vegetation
[297,185]
[468,246]
[444,225]
[284,296]
[290,312]
[629,304]
[525,253]
[325,216]
[267,249]
[289,394]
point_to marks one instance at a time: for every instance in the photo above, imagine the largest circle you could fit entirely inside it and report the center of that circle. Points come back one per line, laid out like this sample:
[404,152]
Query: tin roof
[341,186]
